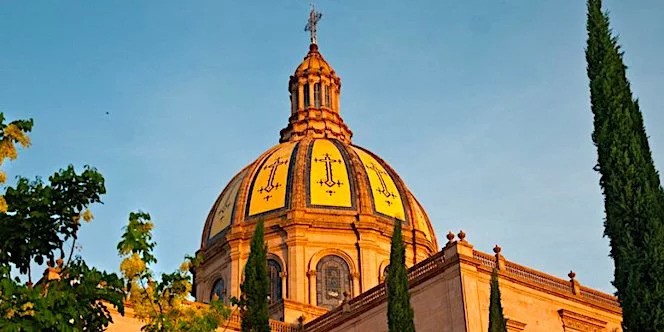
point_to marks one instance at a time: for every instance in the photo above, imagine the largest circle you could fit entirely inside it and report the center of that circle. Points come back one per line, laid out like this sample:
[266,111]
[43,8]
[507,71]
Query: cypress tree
[399,311]
[633,196]
[497,322]
[256,285]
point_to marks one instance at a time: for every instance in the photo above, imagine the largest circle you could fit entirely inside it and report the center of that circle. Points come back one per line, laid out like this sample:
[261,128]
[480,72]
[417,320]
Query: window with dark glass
[274,269]
[332,280]
[218,290]
[317,98]
[306,95]
[328,101]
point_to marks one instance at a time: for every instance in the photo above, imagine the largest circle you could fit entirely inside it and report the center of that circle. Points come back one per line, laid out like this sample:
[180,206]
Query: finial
[462,236]
[450,237]
[312,23]
[497,249]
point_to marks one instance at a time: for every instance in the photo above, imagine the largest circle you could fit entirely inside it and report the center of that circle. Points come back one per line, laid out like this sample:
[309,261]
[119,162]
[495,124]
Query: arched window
[332,280]
[218,290]
[385,270]
[328,101]
[306,95]
[274,270]
[317,98]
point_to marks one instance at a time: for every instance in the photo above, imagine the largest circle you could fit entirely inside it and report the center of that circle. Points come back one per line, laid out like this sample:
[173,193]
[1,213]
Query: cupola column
[335,98]
[300,97]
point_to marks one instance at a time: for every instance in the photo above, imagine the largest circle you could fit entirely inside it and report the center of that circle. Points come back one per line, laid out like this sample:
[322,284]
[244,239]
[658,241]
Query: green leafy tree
[400,314]
[497,322]
[256,286]
[162,304]
[39,224]
[633,196]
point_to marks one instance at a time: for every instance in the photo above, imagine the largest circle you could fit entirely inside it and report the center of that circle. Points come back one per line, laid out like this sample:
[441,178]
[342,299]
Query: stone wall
[450,292]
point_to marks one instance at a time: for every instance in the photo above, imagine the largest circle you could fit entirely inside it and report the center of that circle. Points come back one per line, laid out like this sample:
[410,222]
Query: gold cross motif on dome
[225,206]
[383,190]
[271,185]
[329,180]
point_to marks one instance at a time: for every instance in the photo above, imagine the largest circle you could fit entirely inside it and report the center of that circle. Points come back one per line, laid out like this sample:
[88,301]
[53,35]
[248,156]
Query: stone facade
[450,293]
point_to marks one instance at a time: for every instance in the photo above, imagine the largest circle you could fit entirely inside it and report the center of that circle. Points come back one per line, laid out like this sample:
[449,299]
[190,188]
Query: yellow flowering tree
[11,134]
[162,304]
[39,221]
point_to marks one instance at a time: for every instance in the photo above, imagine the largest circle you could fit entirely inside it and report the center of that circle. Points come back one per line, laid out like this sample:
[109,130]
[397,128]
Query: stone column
[336,99]
[284,289]
[300,96]
[312,286]
[356,283]
[297,280]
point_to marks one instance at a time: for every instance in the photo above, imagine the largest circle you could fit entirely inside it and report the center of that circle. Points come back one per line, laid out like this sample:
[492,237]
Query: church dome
[317,168]
[329,208]
[324,177]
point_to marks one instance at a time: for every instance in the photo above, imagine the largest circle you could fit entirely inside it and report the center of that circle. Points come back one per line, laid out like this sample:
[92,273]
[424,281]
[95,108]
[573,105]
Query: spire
[314,92]
[314,17]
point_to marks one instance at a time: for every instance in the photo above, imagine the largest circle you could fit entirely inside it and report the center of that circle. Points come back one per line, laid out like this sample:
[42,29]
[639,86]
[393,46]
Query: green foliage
[37,222]
[400,313]
[633,196]
[137,237]
[256,286]
[73,302]
[41,217]
[162,304]
[497,322]
[24,125]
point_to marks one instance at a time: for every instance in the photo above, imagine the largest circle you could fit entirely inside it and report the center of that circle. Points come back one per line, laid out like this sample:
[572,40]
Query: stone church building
[329,208]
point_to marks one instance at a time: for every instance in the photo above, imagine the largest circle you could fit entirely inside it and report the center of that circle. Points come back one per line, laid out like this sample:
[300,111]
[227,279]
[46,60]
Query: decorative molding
[514,326]
[544,282]
[573,321]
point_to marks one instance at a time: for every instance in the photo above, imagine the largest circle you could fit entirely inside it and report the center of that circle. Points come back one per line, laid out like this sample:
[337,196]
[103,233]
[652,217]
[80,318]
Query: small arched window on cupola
[295,101]
[328,98]
[317,96]
[218,290]
[306,96]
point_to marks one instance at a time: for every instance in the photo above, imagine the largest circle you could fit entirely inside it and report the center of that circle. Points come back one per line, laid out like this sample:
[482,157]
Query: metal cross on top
[314,17]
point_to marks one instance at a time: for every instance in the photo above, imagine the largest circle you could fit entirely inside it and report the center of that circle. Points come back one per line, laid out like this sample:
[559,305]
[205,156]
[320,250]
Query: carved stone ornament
[514,326]
[575,322]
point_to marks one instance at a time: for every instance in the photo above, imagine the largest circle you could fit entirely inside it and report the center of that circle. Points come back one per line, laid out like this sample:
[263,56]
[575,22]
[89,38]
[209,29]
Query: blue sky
[481,106]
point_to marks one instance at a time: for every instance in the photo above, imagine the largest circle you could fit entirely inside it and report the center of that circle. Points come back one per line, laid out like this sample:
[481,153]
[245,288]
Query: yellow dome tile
[268,190]
[225,209]
[329,184]
[386,196]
